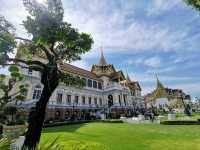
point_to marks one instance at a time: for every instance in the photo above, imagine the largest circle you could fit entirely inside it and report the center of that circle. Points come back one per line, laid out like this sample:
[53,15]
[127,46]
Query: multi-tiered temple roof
[163,92]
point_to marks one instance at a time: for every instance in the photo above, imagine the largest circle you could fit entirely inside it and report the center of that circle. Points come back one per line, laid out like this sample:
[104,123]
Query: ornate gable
[102,68]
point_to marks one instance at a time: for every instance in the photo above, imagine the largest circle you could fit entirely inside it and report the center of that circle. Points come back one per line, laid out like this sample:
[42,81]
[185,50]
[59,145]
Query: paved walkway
[18,143]
[135,121]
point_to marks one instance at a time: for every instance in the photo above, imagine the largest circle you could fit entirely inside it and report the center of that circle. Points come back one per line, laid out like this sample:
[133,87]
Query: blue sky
[143,37]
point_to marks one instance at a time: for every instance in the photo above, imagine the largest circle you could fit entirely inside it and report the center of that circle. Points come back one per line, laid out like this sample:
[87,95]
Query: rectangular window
[59,98]
[89,100]
[95,101]
[100,102]
[95,84]
[36,94]
[69,99]
[76,100]
[89,83]
[124,99]
[83,100]
[99,85]
[120,103]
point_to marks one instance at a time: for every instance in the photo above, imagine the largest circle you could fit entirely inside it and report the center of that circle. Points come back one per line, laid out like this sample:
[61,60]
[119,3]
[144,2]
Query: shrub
[54,124]
[12,123]
[20,122]
[181,122]
[5,144]
[111,121]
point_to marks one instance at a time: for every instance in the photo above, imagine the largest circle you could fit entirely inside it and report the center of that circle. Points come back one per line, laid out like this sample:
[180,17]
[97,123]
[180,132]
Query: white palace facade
[105,86]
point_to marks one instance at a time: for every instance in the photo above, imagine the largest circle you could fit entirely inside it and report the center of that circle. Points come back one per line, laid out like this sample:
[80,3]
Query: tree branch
[46,51]
[28,62]
[23,39]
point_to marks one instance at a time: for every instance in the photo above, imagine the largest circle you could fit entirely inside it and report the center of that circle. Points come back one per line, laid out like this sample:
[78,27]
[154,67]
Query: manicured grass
[129,136]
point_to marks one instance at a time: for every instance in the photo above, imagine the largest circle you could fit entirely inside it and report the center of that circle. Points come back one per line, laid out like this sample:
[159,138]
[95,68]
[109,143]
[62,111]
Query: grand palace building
[107,92]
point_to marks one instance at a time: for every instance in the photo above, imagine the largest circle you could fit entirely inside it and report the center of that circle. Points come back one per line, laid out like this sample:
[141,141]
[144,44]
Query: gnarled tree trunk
[50,80]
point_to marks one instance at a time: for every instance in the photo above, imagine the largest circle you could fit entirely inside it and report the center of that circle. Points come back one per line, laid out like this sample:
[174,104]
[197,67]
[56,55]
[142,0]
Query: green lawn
[128,136]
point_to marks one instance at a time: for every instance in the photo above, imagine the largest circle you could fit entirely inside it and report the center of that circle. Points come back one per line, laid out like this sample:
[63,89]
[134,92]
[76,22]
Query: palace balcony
[114,86]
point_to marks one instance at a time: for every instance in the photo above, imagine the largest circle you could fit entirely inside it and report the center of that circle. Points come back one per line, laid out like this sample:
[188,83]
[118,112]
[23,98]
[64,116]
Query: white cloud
[151,78]
[158,7]
[112,31]
[162,70]
[81,64]
[112,28]
[14,12]
[191,88]
[154,62]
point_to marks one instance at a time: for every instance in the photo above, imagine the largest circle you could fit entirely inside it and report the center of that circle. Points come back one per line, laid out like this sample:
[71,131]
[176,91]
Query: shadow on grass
[65,128]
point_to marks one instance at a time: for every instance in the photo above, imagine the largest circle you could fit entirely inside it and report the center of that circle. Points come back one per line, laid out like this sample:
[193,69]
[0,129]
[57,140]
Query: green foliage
[43,21]
[130,136]
[52,39]
[6,85]
[13,68]
[7,40]
[77,145]
[2,77]
[71,80]
[50,145]
[181,122]
[194,3]
[5,144]
[56,145]
[15,73]
[47,27]
[24,50]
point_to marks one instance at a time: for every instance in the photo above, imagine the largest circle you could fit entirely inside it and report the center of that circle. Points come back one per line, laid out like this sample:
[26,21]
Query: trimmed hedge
[110,121]
[181,122]
[54,124]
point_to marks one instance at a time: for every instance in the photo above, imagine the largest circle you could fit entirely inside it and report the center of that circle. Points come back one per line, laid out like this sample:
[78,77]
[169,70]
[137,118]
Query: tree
[52,39]
[194,3]
[8,84]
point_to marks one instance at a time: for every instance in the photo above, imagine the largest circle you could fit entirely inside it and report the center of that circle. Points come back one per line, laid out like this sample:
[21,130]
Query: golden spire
[102,61]
[160,90]
[159,84]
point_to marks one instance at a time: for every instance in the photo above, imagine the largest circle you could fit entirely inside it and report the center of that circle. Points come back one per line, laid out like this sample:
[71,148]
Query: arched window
[37,92]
